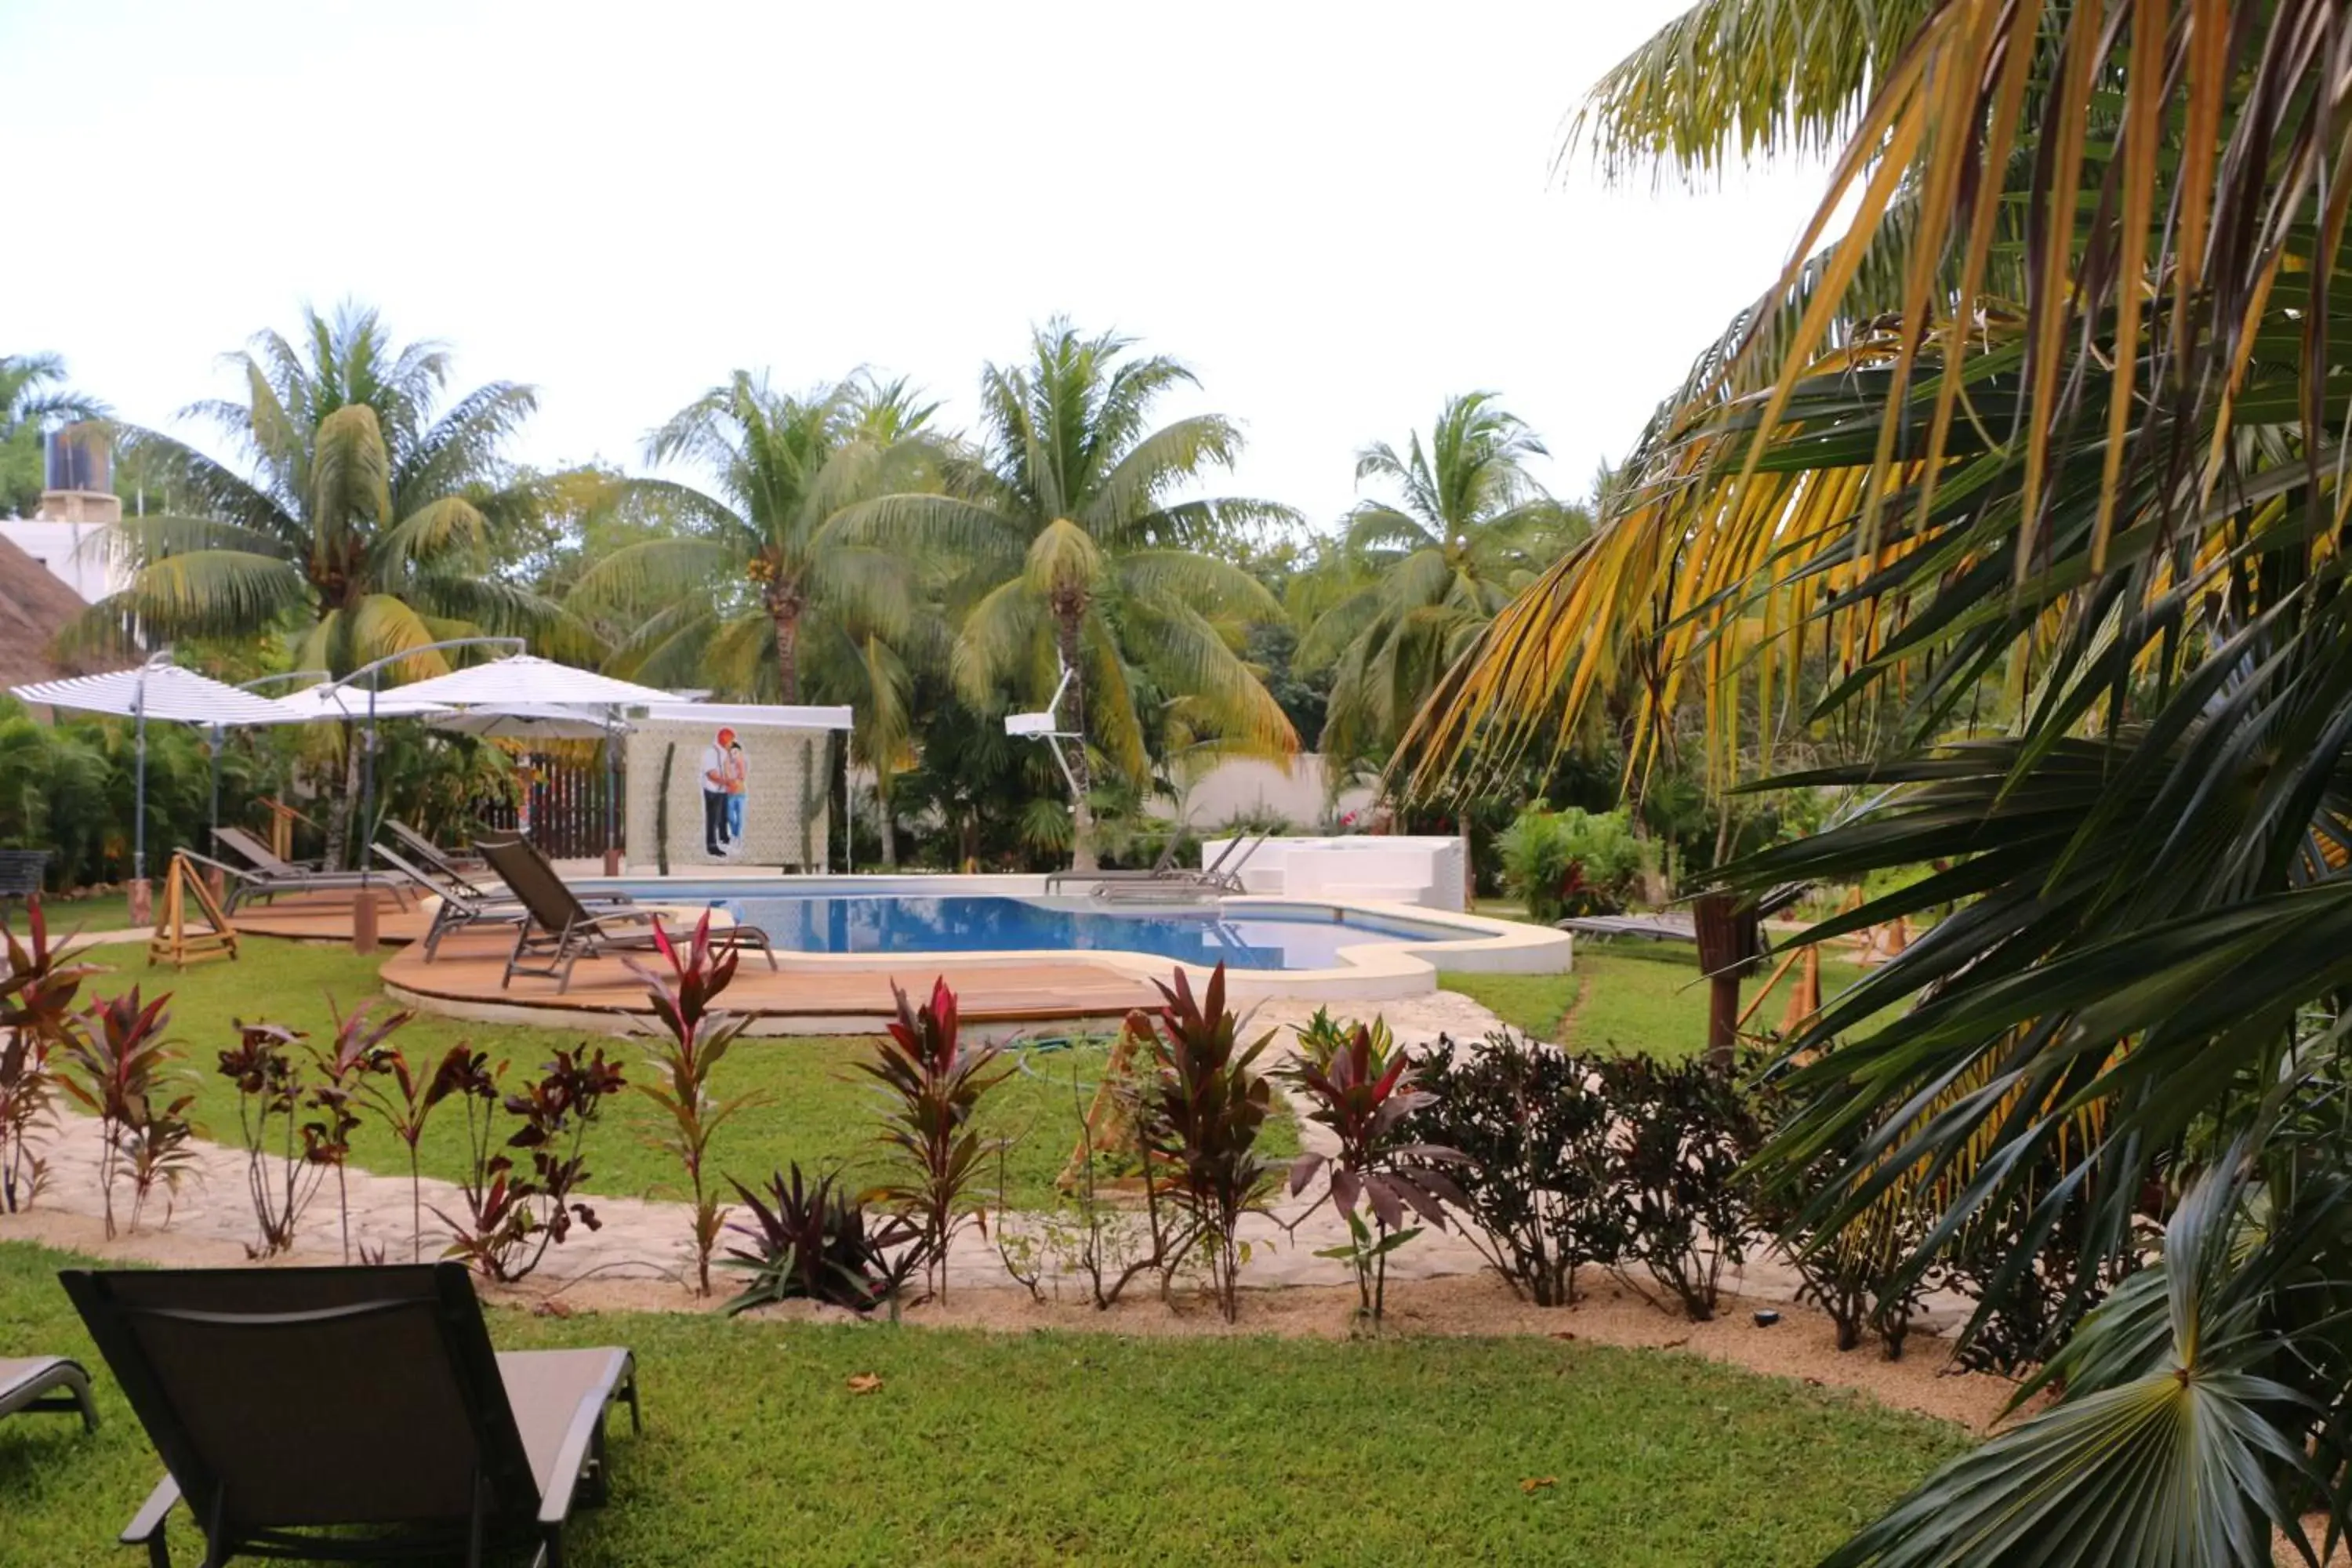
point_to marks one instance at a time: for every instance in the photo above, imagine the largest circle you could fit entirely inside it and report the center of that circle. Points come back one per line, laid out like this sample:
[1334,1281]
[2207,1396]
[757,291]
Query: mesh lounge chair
[350,1415]
[425,852]
[47,1383]
[1222,875]
[467,904]
[265,876]
[562,930]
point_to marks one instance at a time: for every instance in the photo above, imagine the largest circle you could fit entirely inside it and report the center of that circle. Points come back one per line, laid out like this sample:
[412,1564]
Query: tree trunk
[883,823]
[1074,718]
[346,801]
[788,649]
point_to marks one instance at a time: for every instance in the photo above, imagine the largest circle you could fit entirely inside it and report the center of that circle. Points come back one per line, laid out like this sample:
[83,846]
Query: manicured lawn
[1627,997]
[103,911]
[814,1106]
[1055,1448]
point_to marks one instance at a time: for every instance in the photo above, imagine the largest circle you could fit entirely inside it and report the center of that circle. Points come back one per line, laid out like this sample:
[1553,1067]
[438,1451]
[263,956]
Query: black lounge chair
[465,903]
[350,1415]
[47,1383]
[562,930]
[265,876]
[425,852]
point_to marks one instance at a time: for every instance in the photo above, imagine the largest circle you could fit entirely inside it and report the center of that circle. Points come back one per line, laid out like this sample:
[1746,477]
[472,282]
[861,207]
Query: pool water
[1283,938]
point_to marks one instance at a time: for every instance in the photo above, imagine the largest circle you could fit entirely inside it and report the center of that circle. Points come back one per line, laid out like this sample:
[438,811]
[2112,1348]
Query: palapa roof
[33,608]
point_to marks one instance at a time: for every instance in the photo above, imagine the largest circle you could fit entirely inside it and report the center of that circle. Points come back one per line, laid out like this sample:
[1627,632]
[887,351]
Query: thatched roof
[33,608]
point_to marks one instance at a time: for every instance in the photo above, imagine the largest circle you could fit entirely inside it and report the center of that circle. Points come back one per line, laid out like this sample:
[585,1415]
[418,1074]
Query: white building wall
[1248,787]
[76,553]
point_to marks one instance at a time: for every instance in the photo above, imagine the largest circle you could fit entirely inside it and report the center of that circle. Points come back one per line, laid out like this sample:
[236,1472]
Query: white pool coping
[1378,969]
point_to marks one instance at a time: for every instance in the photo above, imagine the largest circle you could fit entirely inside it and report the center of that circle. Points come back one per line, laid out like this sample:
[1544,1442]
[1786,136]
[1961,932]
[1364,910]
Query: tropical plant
[1202,1116]
[514,1215]
[1571,862]
[1083,554]
[403,1099]
[1429,569]
[33,398]
[2031,481]
[1537,1180]
[698,1036]
[815,1243]
[37,1014]
[1362,1089]
[354,1055]
[1682,1133]
[362,521]
[121,1067]
[269,1104]
[933,1084]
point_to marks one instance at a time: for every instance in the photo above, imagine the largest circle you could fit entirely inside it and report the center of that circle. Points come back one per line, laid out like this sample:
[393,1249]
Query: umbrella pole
[364,910]
[214,750]
[142,906]
[611,790]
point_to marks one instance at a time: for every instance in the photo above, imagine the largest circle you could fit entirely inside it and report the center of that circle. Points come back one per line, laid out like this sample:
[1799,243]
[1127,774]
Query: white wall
[76,553]
[1247,786]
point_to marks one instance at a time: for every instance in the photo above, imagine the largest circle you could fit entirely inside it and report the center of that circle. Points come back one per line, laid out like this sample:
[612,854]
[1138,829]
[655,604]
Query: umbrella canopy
[322,702]
[529,722]
[157,690]
[527,681]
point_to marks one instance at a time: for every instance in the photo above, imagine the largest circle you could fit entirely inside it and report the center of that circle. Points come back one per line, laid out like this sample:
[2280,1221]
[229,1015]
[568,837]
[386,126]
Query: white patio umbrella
[526,685]
[525,722]
[160,689]
[316,703]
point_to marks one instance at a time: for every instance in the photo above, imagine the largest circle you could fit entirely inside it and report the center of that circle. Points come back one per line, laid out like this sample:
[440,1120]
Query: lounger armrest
[572,1458]
[148,1523]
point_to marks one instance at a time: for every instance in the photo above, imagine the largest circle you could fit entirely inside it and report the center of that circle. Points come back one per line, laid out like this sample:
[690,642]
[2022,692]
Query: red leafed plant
[36,997]
[514,1215]
[404,1098]
[120,1065]
[1361,1088]
[268,1100]
[698,1037]
[356,1053]
[935,1084]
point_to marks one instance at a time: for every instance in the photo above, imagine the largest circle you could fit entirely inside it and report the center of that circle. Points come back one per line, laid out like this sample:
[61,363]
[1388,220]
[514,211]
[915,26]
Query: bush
[1573,862]
[1683,1133]
[933,1083]
[1536,1178]
[812,1243]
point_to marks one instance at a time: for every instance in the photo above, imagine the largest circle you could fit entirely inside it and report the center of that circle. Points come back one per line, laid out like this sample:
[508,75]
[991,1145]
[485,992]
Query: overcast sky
[1335,215]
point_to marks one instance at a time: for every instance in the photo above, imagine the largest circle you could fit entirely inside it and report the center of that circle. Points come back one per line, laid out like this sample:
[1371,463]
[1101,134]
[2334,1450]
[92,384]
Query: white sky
[1335,215]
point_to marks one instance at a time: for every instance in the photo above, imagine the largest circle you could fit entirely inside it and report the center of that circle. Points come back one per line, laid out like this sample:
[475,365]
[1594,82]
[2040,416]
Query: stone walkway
[646,1239]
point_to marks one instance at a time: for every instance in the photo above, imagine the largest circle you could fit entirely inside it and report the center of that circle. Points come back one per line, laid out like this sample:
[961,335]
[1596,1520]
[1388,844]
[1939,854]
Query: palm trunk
[347,794]
[1082,816]
[882,820]
[788,651]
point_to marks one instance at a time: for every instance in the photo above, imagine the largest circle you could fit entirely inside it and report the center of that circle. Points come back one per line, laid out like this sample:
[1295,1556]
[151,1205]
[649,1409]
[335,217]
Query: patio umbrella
[525,722]
[162,689]
[526,686]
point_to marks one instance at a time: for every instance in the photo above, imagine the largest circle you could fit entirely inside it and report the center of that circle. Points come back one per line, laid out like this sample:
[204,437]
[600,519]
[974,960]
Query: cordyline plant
[1207,1107]
[402,1100]
[700,1036]
[117,1064]
[935,1083]
[513,1217]
[36,997]
[1361,1091]
[356,1053]
[812,1242]
[268,1101]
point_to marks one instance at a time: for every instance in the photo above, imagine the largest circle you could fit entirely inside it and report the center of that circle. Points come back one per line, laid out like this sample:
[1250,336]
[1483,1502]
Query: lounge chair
[465,903]
[351,1415]
[47,1383]
[265,876]
[562,930]
[1221,875]
[425,852]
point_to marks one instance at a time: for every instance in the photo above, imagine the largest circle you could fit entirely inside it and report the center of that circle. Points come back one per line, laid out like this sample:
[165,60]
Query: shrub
[1571,862]
[698,1038]
[813,1243]
[269,1104]
[2030,1288]
[406,1115]
[357,1053]
[118,1064]
[1207,1106]
[513,1215]
[1537,1175]
[1682,1133]
[934,1083]
[36,997]
[1362,1090]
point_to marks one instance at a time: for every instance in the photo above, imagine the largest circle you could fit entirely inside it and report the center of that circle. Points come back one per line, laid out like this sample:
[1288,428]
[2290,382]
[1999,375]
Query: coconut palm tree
[729,598]
[32,397]
[2042,469]
[1467,527]
[1085,553]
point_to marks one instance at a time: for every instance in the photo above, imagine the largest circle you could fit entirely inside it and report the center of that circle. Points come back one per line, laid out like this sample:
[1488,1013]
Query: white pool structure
[1329,948]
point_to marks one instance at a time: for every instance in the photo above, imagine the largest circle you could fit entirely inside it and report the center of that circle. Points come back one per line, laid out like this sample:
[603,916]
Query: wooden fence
[564,808]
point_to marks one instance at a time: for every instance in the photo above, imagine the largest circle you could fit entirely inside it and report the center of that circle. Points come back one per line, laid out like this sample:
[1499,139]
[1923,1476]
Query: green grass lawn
[814,1106]
[1627,997]
[101,912]
[1057,1448]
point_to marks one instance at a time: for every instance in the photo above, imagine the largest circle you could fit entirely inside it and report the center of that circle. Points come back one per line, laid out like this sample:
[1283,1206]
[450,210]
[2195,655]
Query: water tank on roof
[80,459]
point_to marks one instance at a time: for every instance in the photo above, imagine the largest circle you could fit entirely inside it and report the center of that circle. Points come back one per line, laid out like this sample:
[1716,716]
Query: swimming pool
[1244,936]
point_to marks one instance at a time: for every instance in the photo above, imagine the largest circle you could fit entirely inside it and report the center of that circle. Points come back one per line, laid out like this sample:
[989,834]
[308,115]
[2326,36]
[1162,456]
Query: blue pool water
[1281,938]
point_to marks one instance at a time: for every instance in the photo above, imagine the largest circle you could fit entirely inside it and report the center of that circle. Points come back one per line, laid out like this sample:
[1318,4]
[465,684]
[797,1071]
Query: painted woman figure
[736,776]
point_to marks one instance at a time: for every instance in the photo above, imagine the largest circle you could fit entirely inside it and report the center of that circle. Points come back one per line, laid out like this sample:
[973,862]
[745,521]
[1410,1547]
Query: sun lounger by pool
[265,876]
[349,1413]
[47,1383]
[464,902]
[562,930]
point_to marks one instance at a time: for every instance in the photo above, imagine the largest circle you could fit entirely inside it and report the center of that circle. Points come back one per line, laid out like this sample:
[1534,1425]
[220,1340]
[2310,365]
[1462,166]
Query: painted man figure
[716,838]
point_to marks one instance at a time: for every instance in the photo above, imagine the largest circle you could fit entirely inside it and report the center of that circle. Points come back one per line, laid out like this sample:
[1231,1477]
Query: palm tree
[1085,554]
[2042,470]
[1468,529]
[731,597]
[32,397]
[363,523]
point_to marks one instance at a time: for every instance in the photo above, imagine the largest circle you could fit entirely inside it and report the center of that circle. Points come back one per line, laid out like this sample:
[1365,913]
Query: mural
[704,793]
[726,776]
